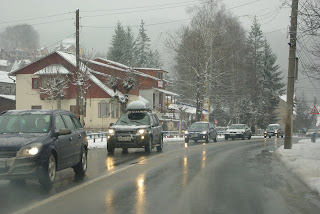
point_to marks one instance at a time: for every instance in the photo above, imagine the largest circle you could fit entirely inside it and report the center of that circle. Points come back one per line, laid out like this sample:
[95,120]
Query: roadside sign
[314,110]
[216,122]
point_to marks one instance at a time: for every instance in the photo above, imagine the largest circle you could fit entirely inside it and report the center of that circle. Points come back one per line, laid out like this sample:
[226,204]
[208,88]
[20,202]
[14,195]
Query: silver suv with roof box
[138,128]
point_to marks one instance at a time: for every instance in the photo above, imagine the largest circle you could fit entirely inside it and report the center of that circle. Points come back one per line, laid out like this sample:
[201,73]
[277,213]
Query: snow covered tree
[145,57]
[54,82]
[303,118]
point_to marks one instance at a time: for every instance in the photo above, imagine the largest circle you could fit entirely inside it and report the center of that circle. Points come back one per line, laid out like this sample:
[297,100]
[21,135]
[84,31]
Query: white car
[238,131]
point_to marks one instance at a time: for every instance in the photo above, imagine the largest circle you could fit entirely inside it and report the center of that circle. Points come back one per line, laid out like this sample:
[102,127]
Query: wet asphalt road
[241,176]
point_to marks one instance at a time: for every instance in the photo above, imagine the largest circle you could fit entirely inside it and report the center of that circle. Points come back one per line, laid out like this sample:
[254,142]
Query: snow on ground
[98,143]
[304,161]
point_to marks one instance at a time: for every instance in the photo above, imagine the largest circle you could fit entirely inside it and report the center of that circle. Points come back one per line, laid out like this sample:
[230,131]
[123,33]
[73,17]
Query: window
[67,119]
[77,123]
[154,100]
[59,124]
[103,109]
[35,83]
[36,107]
[160,100]
[8,90]
[112,110]
[159,75]
[117,110]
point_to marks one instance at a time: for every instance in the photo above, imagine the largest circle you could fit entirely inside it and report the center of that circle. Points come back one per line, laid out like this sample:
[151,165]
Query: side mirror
[64,132]
[111,124]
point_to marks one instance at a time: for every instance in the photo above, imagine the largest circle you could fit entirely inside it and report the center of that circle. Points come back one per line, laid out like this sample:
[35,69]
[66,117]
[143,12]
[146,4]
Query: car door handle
[70,138]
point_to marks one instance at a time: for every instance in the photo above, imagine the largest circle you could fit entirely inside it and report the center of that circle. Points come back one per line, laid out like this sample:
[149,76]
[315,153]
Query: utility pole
[77,62]
[315,116]
[291,71]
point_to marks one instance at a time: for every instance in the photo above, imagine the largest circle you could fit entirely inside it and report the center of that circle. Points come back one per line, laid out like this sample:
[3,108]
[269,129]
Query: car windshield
[311,130]
[199,126]
[134,119]
[273,127]
[25,123]
[236,126]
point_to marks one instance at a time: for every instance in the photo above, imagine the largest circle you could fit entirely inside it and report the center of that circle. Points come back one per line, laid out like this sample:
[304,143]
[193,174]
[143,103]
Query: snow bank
[304,161]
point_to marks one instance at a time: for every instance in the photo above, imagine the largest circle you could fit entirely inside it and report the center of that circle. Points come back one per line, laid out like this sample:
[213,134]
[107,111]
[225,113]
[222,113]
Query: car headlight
[186,132]
[204,132]
[276,131]
[111,131]
[141,131]
[30,150]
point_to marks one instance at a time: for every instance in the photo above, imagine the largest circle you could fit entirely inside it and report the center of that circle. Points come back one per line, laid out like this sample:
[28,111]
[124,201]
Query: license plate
[194,135]
[124,138]
[3,164]
[232,134]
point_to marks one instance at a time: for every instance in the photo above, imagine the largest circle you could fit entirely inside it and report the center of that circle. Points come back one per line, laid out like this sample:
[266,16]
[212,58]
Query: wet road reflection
[185,145]
[109,202]
[203,162]
[185,172]
[140,203]
[110,163]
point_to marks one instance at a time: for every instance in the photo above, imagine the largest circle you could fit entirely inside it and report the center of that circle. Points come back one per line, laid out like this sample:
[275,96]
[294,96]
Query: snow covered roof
[187,108]
[17,64]
[152,69]
[5,78]
[53,69]
[122,66]
[166,92]
[104,87]
[3,62]
[10,97]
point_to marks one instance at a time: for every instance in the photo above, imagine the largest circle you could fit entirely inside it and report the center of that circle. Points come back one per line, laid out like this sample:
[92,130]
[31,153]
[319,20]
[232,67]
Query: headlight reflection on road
[185,172]
[204,156]
[109,201]
[140,183]
[109,163]
[276,142]
[185,145]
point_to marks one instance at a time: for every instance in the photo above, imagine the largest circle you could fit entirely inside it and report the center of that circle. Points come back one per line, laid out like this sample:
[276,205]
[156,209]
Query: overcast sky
[272,15]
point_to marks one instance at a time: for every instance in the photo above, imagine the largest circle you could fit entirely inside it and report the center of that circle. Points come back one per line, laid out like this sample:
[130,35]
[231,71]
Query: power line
[39,17]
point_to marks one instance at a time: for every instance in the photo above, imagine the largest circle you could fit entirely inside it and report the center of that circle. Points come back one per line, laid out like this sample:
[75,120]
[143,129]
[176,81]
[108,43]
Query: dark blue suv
[37,143]
[201,131]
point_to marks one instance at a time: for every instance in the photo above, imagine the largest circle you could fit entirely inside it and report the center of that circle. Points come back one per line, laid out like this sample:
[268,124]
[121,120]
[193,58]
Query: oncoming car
[34,144]
[201,131]
[273,130]
[138,128]
[238,131]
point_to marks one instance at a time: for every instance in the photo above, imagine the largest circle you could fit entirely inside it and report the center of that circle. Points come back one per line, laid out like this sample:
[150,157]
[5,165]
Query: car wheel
[215,139]
[281,136]
[207,139]
[160,147]
[81,167]
[277,136]
[186,140]
[249,137]
[269,136]
[242,137]
[49,173]
[110,148]
[125,151]
[147,147]
[226,138]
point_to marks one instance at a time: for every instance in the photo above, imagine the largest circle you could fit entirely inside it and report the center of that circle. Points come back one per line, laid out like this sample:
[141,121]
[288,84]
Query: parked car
[273,130]
[310,132]
[201,131]
[138,128]
[37,143]
[238,131]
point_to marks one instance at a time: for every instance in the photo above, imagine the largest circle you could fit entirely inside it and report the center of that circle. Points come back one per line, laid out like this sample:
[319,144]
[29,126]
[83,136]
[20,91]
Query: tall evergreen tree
[118,49]
[303,118]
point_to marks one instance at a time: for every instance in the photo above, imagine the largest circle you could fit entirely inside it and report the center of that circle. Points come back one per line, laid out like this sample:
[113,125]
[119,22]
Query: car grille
[125,132]
[7,154]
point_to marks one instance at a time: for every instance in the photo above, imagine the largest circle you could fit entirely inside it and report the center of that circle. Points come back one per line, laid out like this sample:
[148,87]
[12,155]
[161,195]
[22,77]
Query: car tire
[233,138]
[242,138]
[125,151]
[277,136]
[147,147]
[81,167]
[49,174]
[215,139]
[226,138]
[186,140]
[207,139]
[160,147]
[249,137]
[281,136]
[269,136]
[110,148]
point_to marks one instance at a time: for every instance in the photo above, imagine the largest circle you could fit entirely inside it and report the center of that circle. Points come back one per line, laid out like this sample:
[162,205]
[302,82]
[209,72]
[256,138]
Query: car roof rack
[138,106]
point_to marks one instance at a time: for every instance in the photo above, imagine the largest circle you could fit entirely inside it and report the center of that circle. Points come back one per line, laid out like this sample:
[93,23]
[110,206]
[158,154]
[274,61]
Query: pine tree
[118,51]
[130,48]
[303,118]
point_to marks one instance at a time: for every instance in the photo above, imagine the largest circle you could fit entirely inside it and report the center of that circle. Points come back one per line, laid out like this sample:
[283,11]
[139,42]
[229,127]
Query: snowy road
[224,177]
